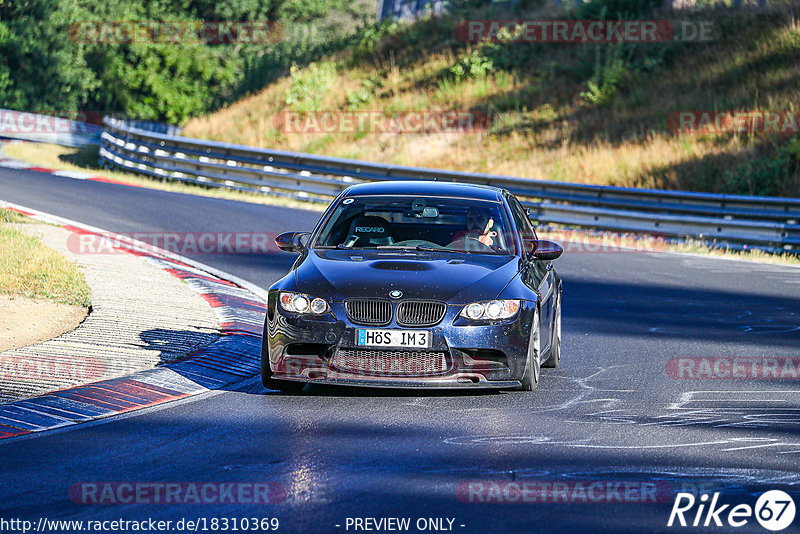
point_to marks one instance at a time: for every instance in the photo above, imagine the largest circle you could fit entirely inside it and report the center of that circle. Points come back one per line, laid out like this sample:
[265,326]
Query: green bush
[766,175]
[610,71]
[472,65]
[45,70]
[365,93]
[615,9]
[370,36]
[309,86]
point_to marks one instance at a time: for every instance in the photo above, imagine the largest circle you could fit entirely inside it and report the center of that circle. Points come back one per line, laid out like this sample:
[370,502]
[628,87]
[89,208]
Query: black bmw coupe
[415,285]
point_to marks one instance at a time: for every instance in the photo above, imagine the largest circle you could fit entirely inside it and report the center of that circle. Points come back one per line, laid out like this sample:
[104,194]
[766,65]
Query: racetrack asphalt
[610,414]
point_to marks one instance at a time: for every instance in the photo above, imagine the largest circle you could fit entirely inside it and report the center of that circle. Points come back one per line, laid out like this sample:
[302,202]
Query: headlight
[299,303]
[490,310]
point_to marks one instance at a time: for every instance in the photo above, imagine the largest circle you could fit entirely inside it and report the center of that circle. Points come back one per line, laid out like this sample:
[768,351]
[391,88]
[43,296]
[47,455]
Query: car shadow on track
[341,391]
[174,345]
[324,390]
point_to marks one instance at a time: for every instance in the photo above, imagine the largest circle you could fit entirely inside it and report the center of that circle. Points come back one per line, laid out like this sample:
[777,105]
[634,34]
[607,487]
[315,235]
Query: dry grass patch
[542,123]
[9,216]
[30,269]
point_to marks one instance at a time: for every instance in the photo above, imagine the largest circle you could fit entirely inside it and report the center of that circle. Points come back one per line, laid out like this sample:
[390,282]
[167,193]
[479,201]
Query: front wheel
[555,350]
[530,379]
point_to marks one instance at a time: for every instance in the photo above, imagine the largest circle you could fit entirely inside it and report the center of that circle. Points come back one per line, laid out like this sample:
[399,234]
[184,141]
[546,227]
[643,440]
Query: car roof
[425,188]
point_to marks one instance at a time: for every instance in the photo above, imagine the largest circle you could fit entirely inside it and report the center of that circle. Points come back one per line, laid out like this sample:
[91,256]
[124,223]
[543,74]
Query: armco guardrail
[27,126]
[766,222]
[47,129]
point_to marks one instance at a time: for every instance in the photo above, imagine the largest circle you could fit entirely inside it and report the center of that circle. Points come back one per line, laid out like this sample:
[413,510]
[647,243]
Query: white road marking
[77,175]
[713,397]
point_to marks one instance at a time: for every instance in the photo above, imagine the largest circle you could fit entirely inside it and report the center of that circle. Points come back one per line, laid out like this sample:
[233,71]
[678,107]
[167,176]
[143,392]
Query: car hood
[455,278]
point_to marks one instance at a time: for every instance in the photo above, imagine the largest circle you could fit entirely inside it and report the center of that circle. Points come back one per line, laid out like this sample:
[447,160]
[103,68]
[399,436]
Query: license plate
[393,338]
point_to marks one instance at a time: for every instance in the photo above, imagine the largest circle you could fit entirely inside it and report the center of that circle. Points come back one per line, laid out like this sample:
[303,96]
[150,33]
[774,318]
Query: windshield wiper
[421,248]
[340,246]
[427,248]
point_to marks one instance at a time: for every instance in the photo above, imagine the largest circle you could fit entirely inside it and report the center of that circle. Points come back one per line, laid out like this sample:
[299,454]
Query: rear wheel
[555,351]
[530,379]
[285,386]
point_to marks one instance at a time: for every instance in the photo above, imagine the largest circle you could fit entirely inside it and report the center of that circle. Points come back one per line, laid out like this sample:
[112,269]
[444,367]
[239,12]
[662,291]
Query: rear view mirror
[430,213]
[291,241]
[420,210]
[544,250]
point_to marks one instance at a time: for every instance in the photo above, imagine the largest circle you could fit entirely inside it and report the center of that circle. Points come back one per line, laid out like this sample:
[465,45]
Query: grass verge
[696,247]
[30,269]
[8,216]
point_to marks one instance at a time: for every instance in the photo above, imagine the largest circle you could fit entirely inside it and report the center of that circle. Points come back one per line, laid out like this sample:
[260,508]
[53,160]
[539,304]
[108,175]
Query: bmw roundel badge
[395,293]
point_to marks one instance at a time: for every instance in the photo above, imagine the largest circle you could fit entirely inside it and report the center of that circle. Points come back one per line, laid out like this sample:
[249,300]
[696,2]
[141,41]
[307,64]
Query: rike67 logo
[774,510]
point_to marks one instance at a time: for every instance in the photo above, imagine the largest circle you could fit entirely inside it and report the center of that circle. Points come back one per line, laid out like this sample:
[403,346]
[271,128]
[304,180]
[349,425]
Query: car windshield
[421,223]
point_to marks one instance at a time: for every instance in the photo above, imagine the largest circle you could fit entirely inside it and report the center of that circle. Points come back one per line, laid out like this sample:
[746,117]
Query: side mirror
[544,250]
[290,241]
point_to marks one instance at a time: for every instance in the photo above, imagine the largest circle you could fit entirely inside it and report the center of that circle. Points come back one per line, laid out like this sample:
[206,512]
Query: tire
[530,378]
[285,386]
[555,350]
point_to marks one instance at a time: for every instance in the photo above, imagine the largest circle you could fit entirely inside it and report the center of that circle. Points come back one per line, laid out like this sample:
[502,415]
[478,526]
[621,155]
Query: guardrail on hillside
[765,222]
[47,129]
[27,126]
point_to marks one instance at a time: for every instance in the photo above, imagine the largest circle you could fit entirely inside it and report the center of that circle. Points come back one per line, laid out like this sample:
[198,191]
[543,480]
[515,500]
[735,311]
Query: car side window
[521,220]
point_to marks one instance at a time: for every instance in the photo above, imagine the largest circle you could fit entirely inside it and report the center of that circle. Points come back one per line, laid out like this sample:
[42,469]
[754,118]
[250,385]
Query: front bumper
[303,348]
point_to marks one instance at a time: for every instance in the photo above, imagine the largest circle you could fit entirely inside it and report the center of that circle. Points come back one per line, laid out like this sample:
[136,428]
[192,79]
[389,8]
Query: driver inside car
[479,225]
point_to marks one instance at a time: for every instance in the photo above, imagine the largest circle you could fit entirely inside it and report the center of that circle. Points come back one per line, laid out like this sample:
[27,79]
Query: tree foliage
[45,68]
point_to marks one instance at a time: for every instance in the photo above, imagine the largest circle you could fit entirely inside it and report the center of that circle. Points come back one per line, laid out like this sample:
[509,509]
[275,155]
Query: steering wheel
[469,244]
[415,242]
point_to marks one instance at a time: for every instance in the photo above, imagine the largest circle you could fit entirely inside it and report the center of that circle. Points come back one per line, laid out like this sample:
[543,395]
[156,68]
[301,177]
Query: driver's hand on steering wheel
[487,239]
